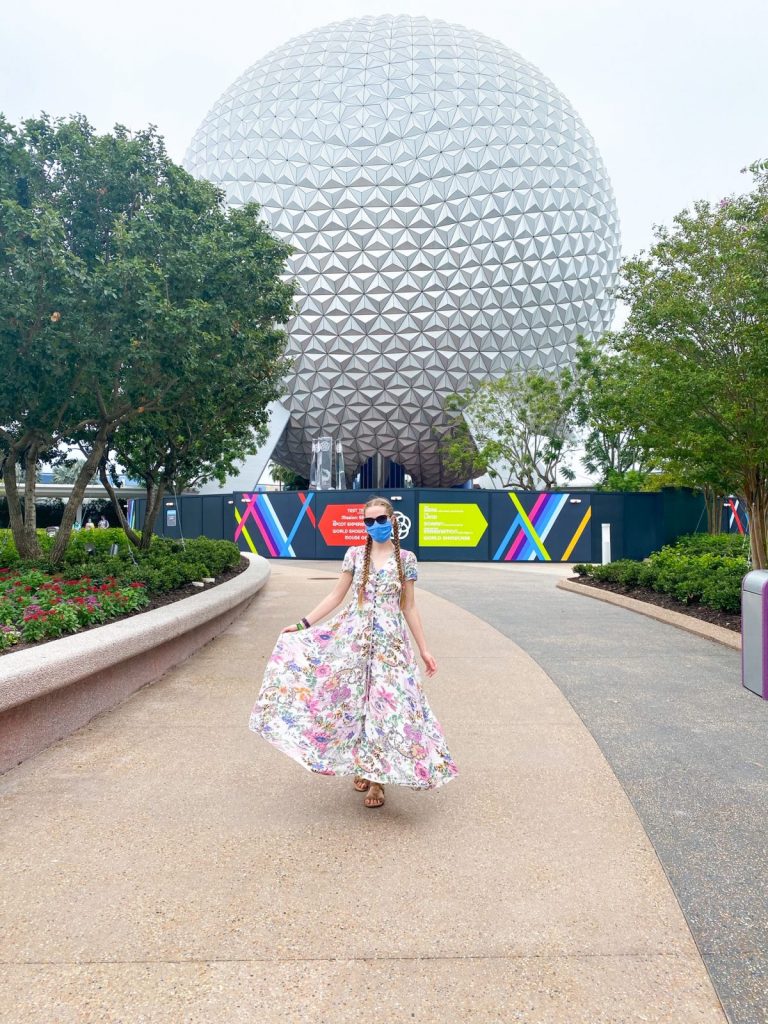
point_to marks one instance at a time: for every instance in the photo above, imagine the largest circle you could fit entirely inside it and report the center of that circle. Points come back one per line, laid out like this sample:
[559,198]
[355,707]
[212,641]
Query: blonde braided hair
[366,572]
[398,559]
[368,545]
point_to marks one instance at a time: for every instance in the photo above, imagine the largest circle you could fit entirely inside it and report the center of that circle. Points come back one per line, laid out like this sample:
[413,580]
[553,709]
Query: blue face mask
[379,532]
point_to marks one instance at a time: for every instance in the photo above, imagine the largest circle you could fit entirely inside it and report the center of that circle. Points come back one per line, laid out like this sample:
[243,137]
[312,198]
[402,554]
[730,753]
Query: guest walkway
[164,864]
[687,742]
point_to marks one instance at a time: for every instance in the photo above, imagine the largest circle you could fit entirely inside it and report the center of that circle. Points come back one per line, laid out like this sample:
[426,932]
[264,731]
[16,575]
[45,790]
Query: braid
[398,559]
[366,572]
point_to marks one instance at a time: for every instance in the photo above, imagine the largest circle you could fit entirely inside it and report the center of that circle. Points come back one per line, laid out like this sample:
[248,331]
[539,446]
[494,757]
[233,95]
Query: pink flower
[386,697]
[421,771]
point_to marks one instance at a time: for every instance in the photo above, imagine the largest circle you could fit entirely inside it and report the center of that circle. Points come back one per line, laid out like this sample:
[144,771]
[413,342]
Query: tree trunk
[23,522]
[713,504]
[30,508]
[756,496]
[87,470]
[155,495]
[132,536]
[15,514]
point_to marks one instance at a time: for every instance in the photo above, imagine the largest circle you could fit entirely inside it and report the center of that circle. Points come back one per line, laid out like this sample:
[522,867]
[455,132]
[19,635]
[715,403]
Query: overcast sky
[675,93]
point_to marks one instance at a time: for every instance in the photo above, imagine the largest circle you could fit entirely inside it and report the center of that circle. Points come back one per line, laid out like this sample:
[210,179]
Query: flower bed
[36,607]
[39,602]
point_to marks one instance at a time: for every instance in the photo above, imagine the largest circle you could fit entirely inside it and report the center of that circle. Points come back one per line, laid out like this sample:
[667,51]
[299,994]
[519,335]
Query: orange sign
[342,525]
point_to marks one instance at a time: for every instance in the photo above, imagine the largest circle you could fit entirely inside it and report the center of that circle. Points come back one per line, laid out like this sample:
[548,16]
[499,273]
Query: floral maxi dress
[344,697]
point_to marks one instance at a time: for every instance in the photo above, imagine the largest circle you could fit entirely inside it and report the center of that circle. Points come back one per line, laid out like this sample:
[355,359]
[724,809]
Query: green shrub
[646,574]
[100,540]
[9,556]
[626,571]
[729,545]
[167,565]
[709,572]
[722,589]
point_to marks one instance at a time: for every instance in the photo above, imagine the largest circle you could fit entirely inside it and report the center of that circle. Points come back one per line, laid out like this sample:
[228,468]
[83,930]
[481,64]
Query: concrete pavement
[685,739]
[164,864]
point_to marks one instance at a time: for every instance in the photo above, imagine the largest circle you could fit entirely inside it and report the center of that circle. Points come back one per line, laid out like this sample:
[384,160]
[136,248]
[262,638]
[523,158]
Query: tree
[67,472]
[613,448]
[290,480]
[119,285]
[696,343]
[520,425]
[216,411]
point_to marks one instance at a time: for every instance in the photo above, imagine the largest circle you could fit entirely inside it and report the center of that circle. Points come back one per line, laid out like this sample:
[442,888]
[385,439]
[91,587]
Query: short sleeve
[348,565]
[410,570]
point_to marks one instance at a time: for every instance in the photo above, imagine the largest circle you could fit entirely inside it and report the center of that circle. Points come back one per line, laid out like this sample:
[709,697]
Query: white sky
[675,93]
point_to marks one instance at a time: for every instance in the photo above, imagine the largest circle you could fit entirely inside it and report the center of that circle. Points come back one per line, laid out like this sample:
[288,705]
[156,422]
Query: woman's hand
[293,628]
[430,663]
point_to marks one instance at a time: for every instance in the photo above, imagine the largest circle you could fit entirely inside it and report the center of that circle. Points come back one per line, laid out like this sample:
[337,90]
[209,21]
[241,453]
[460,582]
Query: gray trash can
[754,632]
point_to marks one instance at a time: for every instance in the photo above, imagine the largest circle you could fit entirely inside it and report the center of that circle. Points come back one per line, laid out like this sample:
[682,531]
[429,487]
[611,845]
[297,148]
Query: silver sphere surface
[451,215]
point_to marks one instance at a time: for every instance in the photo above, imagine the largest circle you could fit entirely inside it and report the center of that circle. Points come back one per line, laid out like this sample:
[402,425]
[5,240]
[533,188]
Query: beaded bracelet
[304,624]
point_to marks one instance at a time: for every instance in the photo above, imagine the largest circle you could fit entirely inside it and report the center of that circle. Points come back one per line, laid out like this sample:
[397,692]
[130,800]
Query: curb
[49,692]
[707,630]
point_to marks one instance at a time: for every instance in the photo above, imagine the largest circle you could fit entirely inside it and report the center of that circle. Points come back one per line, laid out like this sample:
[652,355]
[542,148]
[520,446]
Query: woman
[345,698]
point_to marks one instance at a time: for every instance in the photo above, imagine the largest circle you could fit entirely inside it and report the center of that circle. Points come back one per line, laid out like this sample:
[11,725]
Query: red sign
[342,525]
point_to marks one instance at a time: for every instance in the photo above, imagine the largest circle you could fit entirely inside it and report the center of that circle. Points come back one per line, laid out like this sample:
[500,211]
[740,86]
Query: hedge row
[698,568]
[167,565]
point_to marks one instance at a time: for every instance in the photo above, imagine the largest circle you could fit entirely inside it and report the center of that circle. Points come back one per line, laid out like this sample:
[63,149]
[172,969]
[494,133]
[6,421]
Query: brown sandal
[378,797]
[361,788]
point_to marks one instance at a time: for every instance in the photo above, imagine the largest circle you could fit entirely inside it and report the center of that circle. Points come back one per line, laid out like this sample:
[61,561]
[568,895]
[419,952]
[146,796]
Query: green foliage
[613,448]
[167,565]
[216,410]
[134,308]
[699,568]
[521,423]
[99,540]
[9,556]
[694,352]
[630,480]
[67,472]
[729,545]
[290,480]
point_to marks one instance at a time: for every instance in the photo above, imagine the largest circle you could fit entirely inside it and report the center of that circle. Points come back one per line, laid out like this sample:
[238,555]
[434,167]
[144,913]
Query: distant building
[452,219]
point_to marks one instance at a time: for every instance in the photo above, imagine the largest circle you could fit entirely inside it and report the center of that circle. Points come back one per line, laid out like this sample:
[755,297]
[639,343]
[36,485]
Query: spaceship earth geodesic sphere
[451,215]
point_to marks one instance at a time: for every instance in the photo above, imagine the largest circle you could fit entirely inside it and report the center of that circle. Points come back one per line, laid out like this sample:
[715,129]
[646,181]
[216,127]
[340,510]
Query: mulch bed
[156,601]
[729,620]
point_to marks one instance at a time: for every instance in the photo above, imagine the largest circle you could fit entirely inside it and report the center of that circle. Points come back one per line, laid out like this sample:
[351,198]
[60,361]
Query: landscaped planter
[47,692]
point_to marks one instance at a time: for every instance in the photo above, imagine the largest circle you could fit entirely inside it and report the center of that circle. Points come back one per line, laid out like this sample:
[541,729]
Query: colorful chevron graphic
[736,514]
[524,540]
[260,510]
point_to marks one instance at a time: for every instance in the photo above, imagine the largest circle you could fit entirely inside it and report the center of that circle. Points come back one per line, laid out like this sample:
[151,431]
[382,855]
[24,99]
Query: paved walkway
[163,864]
[687,742]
